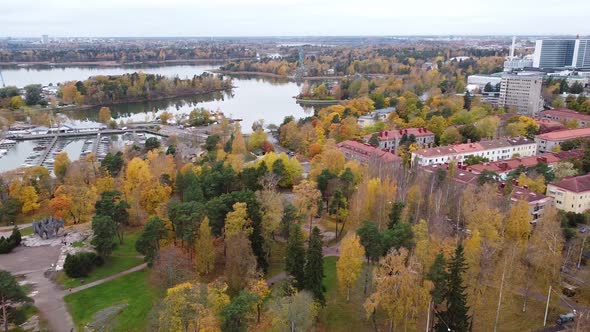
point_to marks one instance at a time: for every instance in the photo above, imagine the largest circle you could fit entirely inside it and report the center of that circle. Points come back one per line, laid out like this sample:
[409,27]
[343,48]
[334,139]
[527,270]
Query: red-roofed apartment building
[391,139]
[564,114]
[497,149]
[463,176]
[366,153]
[504,167]
[571,194]
[548,125]
[548,141]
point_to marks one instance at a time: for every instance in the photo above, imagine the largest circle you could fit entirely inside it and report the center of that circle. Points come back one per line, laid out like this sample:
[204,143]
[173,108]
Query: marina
[29,150]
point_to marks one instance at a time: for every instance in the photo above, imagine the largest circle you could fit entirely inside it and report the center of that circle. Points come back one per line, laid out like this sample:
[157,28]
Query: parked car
[583,229]
[566,318]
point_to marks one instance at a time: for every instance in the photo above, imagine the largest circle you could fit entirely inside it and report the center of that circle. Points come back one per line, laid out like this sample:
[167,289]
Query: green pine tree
[438,275]
[455,316]
[295,260]
[314,267]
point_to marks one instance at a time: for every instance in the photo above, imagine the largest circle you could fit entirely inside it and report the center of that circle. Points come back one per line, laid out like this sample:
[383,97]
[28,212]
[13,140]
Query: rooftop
[367,151]
[575,184]
[503,166]
[399,133]
[473,147]
[566,113]
[564,135]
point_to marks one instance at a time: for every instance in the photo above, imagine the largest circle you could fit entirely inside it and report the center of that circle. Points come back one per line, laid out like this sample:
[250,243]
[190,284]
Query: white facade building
[493,150]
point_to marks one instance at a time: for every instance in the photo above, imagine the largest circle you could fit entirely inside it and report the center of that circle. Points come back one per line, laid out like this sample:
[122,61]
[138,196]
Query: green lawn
[132,289]
[128,246]
[112,265]
[26,231]
[123,258]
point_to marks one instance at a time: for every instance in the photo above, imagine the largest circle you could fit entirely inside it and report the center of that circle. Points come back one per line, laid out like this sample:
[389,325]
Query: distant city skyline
[226,18]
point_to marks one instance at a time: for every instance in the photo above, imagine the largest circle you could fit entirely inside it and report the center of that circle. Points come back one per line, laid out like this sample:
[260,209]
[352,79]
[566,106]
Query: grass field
[132,289]
[339,315]
[123,258]
[26,231]
[276,263]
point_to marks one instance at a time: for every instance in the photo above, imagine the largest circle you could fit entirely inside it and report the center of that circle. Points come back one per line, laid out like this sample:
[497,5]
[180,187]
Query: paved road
[33,262]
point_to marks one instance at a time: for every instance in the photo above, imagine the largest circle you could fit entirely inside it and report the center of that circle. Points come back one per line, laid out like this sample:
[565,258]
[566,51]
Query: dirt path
[109,278]
[32,263]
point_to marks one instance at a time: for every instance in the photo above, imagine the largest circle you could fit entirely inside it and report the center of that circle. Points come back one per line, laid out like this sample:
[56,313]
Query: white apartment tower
[522,92]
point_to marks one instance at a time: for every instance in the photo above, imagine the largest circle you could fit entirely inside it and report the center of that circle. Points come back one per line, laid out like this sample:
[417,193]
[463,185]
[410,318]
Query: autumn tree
[104,115]
[204,249]
[399,289]
[259,287]
[61,164]
[183,309]
[350,263]
[238,146]
[306,199]
[171,267]
[295,312]
[240,262]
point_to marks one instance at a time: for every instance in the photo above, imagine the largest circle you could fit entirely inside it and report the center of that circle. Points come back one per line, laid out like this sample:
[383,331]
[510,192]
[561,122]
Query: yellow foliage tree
[350,263]
[204,249]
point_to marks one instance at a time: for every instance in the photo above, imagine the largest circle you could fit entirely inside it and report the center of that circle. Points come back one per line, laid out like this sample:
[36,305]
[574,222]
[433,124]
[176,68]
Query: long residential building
[571,194]
[504,167]
[392,139]
[521,92]
[537,202]
[367,154]
[548,141]
[564,114]
[497,149]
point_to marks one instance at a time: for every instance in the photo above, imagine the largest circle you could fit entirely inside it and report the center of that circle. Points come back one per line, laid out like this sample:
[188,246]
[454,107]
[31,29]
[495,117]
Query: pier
[25,137]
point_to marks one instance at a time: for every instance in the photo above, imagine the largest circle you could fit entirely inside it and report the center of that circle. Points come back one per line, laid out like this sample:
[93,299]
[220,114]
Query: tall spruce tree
[438,275]
[295,260]
[455,316]
[314,267]
[395,216]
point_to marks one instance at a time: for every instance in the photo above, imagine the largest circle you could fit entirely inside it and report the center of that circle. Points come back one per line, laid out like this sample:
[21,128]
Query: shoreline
[263,74]
[77,108]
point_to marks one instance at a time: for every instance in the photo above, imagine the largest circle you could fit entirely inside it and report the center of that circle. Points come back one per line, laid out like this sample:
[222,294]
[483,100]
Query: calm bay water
[252,99]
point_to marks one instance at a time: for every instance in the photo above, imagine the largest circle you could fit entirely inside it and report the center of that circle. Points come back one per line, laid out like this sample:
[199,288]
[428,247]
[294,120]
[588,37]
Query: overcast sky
[62,18]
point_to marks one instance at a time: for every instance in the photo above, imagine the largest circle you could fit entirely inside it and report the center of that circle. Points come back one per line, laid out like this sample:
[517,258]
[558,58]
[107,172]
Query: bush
[80,264]
[13,241]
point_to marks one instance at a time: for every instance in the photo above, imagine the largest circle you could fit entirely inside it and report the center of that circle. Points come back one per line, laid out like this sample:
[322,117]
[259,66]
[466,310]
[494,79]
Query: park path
[32,263]
[107,279]
[7,230]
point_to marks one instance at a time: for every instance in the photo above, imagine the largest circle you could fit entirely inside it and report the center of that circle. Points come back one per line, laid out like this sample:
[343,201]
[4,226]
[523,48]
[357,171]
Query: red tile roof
[548,125]
[565,113]
[366,151]
[575,184]
[502,166]
[564,135]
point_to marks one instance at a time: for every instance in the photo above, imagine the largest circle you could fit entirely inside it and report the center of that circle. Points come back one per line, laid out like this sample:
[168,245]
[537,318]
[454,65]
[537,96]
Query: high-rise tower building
[522,92]
[562,53]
